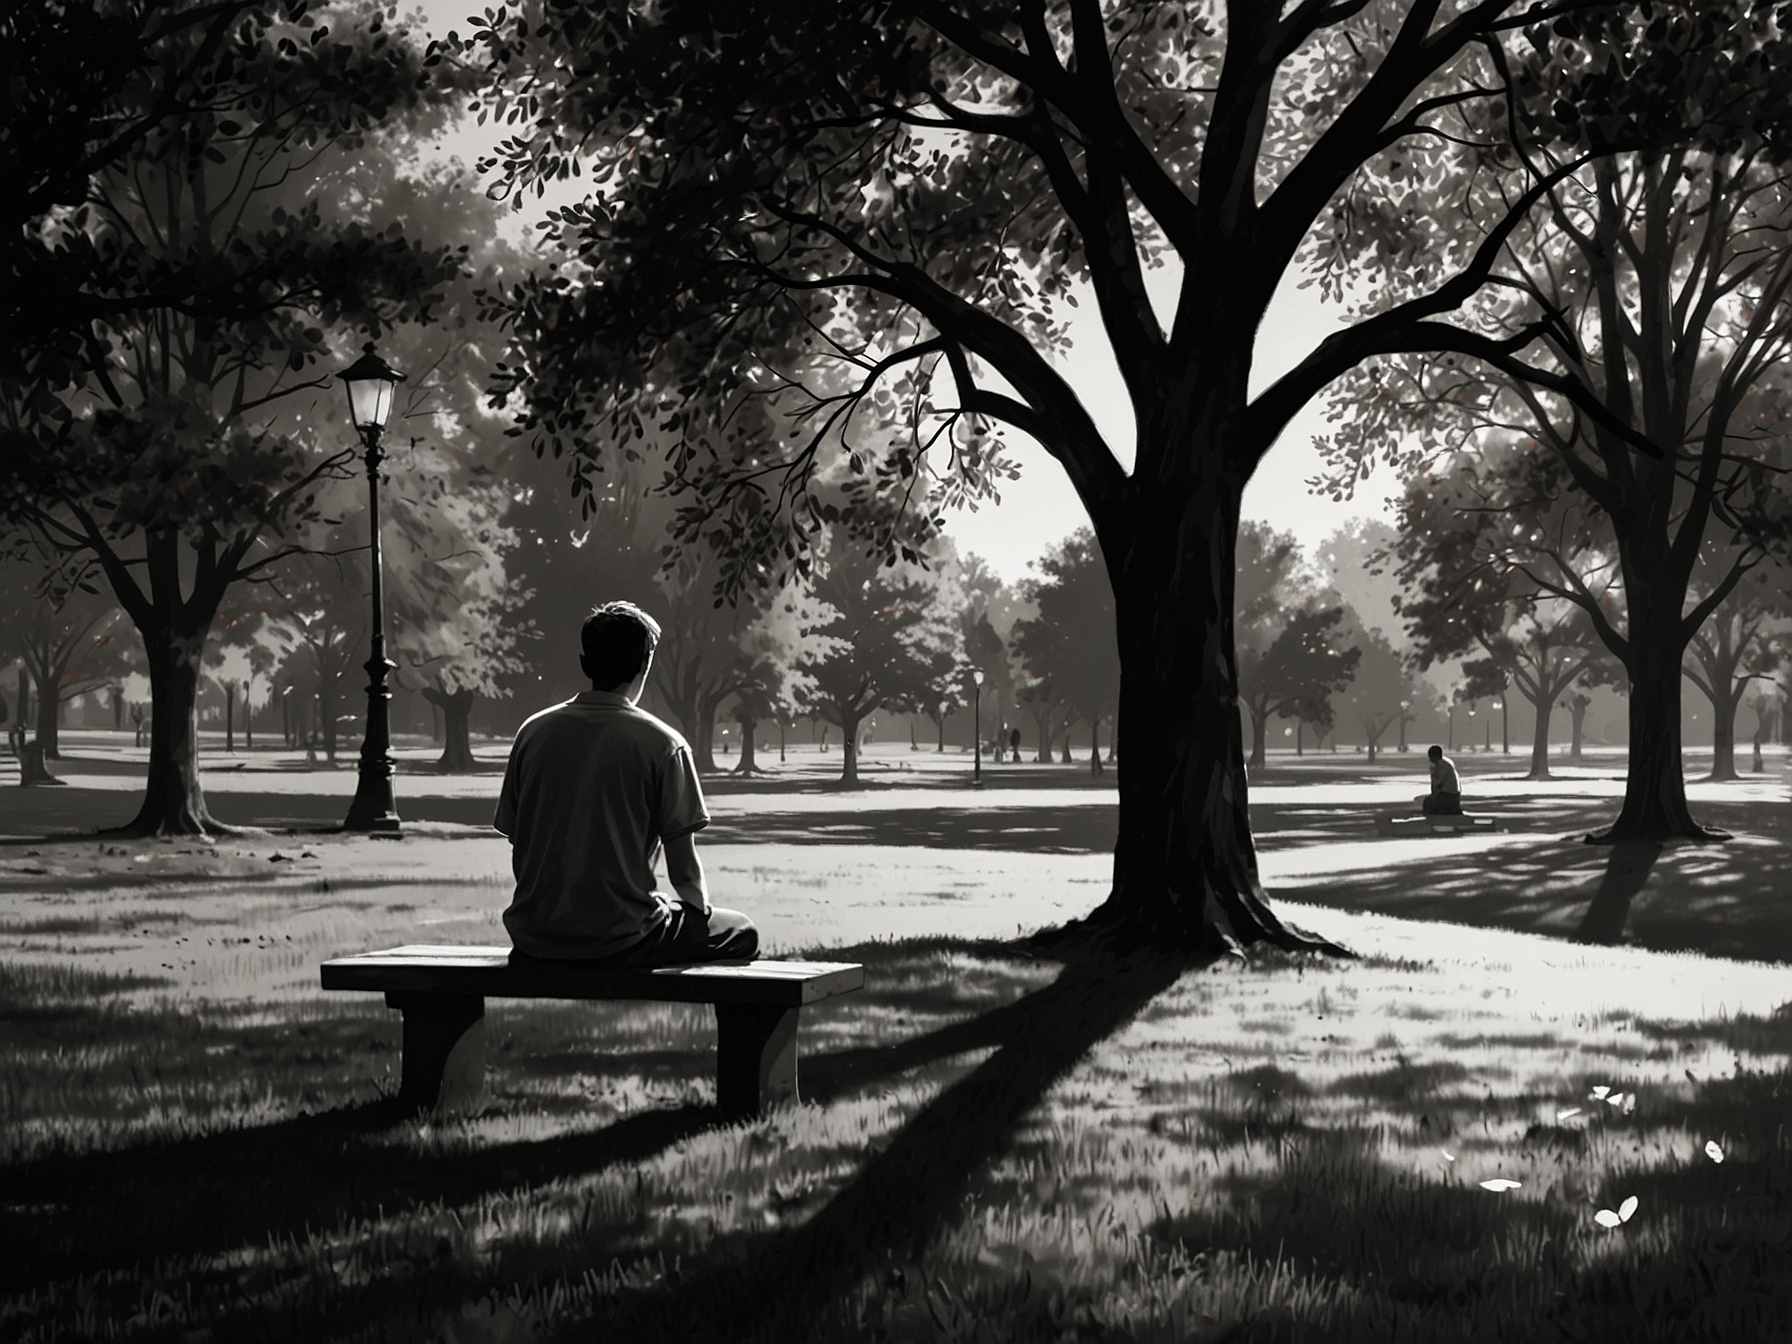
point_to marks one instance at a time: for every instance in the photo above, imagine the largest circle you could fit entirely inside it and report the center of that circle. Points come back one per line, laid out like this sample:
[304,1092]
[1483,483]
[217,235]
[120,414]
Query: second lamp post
[977,728]
[371,383]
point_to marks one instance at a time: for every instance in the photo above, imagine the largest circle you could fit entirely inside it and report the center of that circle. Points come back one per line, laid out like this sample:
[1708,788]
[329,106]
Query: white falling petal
[1629,1103]
[1713,1152]
[1563,1115]
[1607,1218]
[1615,1099]
[1448,1156]
[1499,1184]
[1598,1093]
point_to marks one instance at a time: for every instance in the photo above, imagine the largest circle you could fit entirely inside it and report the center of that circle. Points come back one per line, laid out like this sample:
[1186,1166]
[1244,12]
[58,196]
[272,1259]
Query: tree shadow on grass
[772,1286]
[1626,873]
[1720,900]
[224,1190]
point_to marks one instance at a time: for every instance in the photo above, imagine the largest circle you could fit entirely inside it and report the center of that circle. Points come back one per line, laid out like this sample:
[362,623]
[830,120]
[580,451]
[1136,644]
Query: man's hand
[685,870]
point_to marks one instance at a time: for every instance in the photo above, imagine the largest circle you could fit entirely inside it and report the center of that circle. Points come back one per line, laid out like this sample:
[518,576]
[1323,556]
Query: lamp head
[371,382]
[977,675]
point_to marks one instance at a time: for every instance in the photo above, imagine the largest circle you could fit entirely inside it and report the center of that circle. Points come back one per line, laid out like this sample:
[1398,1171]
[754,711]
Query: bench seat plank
[487,971]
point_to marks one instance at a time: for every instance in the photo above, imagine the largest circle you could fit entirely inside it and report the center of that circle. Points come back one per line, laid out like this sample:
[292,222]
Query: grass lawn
[994,1144]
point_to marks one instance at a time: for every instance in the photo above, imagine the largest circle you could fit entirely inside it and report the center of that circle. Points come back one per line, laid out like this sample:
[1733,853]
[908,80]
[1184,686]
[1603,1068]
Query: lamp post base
[375,807]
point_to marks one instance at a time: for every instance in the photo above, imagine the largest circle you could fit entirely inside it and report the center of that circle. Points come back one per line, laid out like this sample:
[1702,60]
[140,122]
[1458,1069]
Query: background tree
[1734,649]
[1459,525]
[1295,677]
[774,645]
[869,643]
[168,466]
[1289,656]
[70,640]
[1382,688]
[1664,274]
[1070,643]
[912,193]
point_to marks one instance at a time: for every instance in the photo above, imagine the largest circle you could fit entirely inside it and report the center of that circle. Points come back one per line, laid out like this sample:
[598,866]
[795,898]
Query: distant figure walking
[137,723]
[1445,798]
[1014,745]
[595,790]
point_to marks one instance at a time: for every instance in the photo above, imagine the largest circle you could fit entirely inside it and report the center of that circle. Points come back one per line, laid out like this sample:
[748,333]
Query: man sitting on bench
[594,789]
[1445,798]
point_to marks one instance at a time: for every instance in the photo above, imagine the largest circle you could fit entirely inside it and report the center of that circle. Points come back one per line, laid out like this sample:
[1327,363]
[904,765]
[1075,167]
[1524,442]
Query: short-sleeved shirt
[594,788]
[1443,776]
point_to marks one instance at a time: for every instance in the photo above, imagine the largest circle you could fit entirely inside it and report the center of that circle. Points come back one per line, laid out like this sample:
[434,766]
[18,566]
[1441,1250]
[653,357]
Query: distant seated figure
[1445,798]
[595,789]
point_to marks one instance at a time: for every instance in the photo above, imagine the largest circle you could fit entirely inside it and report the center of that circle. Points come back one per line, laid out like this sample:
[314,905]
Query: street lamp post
[977,728]
[1505,730]
[371,383]
[1470,744]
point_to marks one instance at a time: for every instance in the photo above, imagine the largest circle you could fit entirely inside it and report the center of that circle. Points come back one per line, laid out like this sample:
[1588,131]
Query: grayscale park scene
[920,670]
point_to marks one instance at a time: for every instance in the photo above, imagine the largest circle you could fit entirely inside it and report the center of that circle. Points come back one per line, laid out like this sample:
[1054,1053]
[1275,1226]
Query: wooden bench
[441,990]
[1437,823]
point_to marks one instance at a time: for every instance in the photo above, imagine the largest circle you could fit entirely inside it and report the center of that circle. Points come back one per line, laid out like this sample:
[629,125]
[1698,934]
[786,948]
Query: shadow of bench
[441,990]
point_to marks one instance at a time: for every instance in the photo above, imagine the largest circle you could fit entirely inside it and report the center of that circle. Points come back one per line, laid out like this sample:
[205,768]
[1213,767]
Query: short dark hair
[617,640]
[1436,753]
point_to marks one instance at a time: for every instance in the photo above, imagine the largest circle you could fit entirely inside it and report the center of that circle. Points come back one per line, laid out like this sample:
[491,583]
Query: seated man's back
[594,789]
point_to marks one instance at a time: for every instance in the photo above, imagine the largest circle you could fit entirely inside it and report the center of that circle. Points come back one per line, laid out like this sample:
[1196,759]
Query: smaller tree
[70,639]
[775,685]
[1071,642]
[867,643]
[1381,689]
[1734,648]
[1297,673]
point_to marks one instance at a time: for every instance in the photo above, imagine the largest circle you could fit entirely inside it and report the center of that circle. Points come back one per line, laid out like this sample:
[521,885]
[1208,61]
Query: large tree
[913,192]
[171,459]
[1665,275]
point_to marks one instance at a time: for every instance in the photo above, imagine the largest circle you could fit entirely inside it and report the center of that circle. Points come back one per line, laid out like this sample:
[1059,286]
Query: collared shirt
[1443,776]
[594,788]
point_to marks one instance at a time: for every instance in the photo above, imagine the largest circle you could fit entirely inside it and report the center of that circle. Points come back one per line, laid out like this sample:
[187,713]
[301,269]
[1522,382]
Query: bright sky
[1040,509]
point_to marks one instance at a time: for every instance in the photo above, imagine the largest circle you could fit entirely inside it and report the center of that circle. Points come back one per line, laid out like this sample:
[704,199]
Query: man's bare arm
[686,871]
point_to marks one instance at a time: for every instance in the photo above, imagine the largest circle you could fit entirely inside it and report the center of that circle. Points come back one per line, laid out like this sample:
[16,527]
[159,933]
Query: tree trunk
[230,718]
[173,802]
[1185,865]
[456,709]
[49,728]
[749,762]
[703,734]
[939,722]
[1655,807]
[849,750]
[1545,706]
[1723,732]
[326,710]
[1577,711]
[1259,732]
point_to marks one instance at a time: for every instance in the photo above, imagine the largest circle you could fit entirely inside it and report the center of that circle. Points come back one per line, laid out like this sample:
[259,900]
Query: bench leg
[755,1058]
[444,1050]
